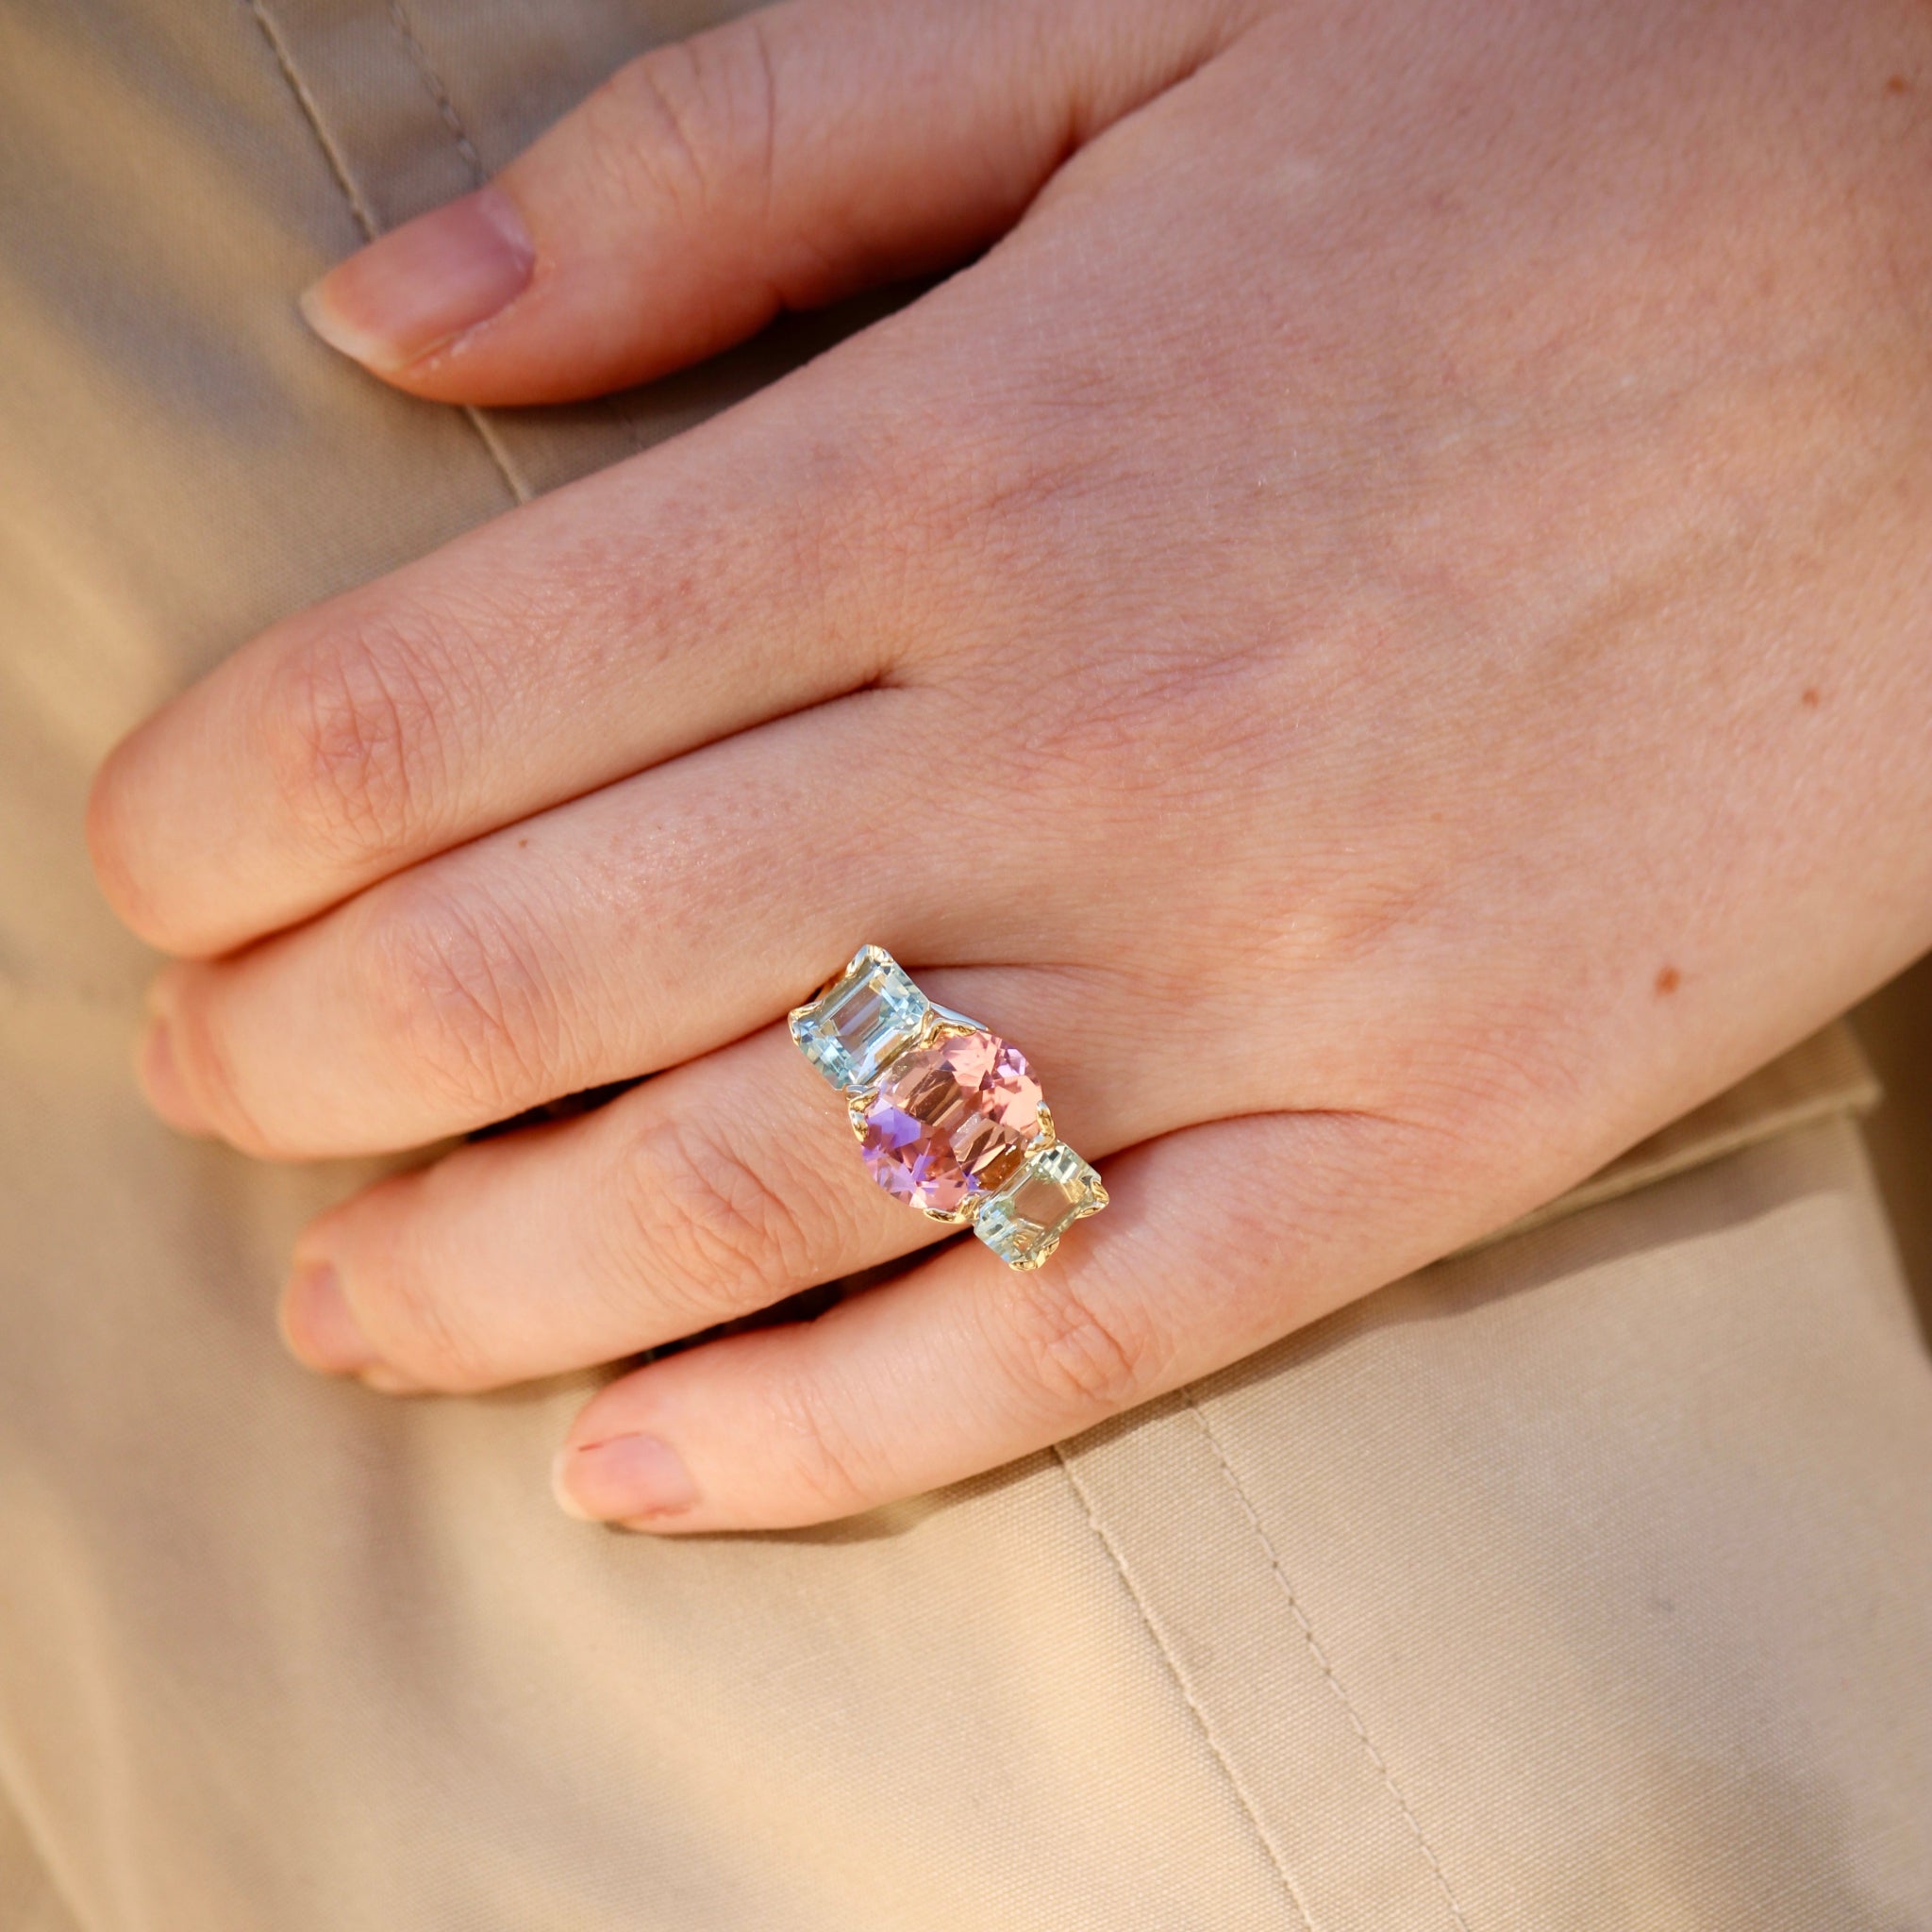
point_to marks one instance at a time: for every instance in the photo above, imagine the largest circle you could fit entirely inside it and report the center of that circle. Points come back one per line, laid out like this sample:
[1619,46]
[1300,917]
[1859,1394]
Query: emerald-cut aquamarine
[1024,1222]
[868,1014]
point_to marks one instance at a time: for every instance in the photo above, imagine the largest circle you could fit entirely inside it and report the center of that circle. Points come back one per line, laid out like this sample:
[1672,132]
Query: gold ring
[949,1116]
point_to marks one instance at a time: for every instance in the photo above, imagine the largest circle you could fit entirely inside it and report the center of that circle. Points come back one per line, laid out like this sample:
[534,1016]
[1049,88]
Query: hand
[1379,634]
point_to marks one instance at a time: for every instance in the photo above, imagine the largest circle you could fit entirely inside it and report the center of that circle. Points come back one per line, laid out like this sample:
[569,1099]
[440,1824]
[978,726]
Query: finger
[1219,1239]
[626,931]
[774,162]
[608,626]
[723,1185]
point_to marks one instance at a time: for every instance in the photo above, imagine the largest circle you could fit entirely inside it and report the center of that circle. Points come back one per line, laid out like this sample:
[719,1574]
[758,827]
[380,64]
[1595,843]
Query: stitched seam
[401,25]
[445,107]
[365,217]
[1321,1657]
[1174,1669]
[313,114]
[446,111]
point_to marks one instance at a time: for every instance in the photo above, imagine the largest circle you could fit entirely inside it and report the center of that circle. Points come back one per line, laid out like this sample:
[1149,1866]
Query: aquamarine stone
[866,1017]
[1022,1223]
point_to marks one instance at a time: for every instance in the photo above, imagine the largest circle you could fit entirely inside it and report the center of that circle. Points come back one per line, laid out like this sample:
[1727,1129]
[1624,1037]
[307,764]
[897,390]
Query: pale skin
[1380,628]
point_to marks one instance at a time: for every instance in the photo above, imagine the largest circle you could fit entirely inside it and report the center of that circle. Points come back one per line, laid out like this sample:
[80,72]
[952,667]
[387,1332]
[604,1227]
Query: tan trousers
[1584,1581]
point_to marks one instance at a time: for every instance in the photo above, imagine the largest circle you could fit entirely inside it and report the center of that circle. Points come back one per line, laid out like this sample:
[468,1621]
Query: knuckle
[820,1451]
[963,531]
[458,994]
[354,721]
[691,123]
[113,828]
[414,1326]
[205,1058]
[716,1228]
[1084,1355]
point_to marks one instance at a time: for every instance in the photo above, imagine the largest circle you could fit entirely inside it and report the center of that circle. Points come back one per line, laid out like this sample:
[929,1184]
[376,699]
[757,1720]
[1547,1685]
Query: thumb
[793,155]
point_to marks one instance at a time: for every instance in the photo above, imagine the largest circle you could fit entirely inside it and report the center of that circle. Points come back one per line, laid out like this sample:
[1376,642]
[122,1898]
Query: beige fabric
[1583,1581]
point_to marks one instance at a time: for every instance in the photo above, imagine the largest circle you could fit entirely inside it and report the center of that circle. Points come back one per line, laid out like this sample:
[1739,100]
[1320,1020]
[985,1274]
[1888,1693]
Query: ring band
[948,1115]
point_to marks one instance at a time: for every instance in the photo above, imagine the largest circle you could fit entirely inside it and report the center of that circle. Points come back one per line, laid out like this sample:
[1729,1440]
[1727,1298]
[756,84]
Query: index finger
[678,598]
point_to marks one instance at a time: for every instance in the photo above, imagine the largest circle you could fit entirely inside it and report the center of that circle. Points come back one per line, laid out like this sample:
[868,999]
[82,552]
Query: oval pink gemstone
[950,1120]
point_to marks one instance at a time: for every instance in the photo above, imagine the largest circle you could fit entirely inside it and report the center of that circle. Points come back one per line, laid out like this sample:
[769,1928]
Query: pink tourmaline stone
[950,1120]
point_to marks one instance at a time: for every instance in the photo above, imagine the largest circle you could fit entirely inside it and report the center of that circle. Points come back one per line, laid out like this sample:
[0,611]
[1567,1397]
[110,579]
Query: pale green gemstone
[1024,1222]
[872,1012]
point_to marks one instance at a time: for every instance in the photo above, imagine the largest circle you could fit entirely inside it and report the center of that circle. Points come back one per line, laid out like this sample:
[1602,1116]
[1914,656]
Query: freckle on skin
[1898,84]
[1811,697]
[520,844]
[1668,980]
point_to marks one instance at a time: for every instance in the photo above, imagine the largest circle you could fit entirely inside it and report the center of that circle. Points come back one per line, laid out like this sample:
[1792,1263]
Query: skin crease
[1383,633]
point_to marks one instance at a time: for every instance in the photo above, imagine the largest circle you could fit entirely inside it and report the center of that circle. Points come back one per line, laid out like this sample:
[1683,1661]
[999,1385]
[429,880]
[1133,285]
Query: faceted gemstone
[868,1014]
[1022,1223]
[950,1120]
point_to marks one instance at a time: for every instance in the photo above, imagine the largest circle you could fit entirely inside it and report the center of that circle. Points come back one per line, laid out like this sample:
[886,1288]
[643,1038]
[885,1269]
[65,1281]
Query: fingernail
[622,1479]
[318,1325]
[421,286]
[160,1074]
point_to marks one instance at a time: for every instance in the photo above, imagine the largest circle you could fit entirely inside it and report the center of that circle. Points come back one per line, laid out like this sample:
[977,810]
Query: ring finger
[719,1188]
